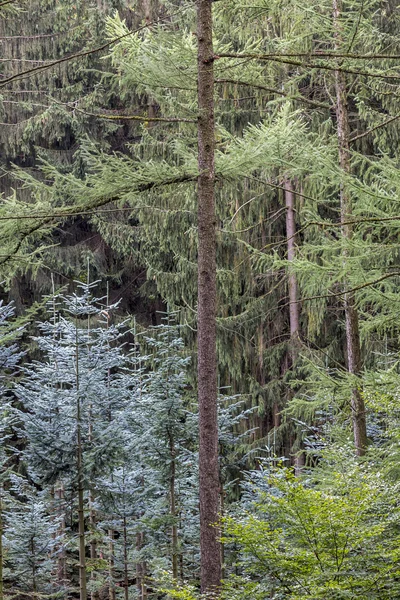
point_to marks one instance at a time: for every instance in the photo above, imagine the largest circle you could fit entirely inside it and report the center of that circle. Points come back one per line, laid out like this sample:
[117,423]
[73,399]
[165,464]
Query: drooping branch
[275,91]
[52,220]
[64,59]
[126,117]
[305,64]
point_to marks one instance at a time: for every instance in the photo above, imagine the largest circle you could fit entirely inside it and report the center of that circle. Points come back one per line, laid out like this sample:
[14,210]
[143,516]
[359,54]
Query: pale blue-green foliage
[160,431]
[32,539]
[164,441]
[82,363]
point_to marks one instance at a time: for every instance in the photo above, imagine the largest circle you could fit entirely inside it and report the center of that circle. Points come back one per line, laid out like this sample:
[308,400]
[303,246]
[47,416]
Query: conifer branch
[274,91]
[328,54]
[102,201]
[298,63]
[89,213]
[355,221]
[349,291]
[5,2]
[126,117]
[53,63]
[361,135]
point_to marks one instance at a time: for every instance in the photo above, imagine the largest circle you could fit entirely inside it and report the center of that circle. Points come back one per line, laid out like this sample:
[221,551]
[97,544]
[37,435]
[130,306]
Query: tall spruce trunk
[351,314]
[210,552]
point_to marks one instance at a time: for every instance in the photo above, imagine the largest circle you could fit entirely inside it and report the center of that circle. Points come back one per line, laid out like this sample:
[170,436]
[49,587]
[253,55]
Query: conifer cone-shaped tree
[69,395]
[31,541]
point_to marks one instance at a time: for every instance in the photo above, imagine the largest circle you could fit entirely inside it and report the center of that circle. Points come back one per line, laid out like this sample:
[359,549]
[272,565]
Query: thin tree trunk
[93,543]
[32,548]
[222,500]
[81,516]
[174,529]
[62,563]
[181,567]
[1,544]
[351,314]
[126,574]
[111,585]
[294,309]
[141,569]
[210,560]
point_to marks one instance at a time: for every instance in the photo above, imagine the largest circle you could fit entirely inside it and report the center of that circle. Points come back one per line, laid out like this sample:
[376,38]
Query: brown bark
[126,574]
[294,306]
[62,563]
[34,569]
[351,314]
[1,544]
[111,585]
[294,309]
[81,516]
[141,570]
[93,543]
[174,529]
[210,553]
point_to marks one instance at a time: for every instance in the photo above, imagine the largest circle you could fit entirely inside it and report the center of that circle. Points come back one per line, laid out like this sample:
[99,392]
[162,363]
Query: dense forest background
[200,311]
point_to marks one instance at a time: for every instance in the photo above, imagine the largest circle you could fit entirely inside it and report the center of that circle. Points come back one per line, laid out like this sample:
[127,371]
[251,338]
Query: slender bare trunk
[210,560]
[93,543]
[294,310]
[174,529]
[222,500]
[294,307]
[111,585]
[81,515]
[181,566]
[62,563]
[351,314]
[126,565]
[141,569]
[34,567]
[1,544]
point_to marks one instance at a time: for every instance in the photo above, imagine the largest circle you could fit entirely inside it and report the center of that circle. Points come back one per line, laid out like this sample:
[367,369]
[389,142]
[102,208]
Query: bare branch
[275,91]
[299,63]
[361,135]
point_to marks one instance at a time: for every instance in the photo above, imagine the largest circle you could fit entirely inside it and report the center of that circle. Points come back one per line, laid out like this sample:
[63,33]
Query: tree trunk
[141,570]
[126,574]
[33,553]
[93,543]
[351,314]
[81,516]
[111,585]
[174,529]
[81,520]
[294,309]
[62,563]
[210,560]
[1,544]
